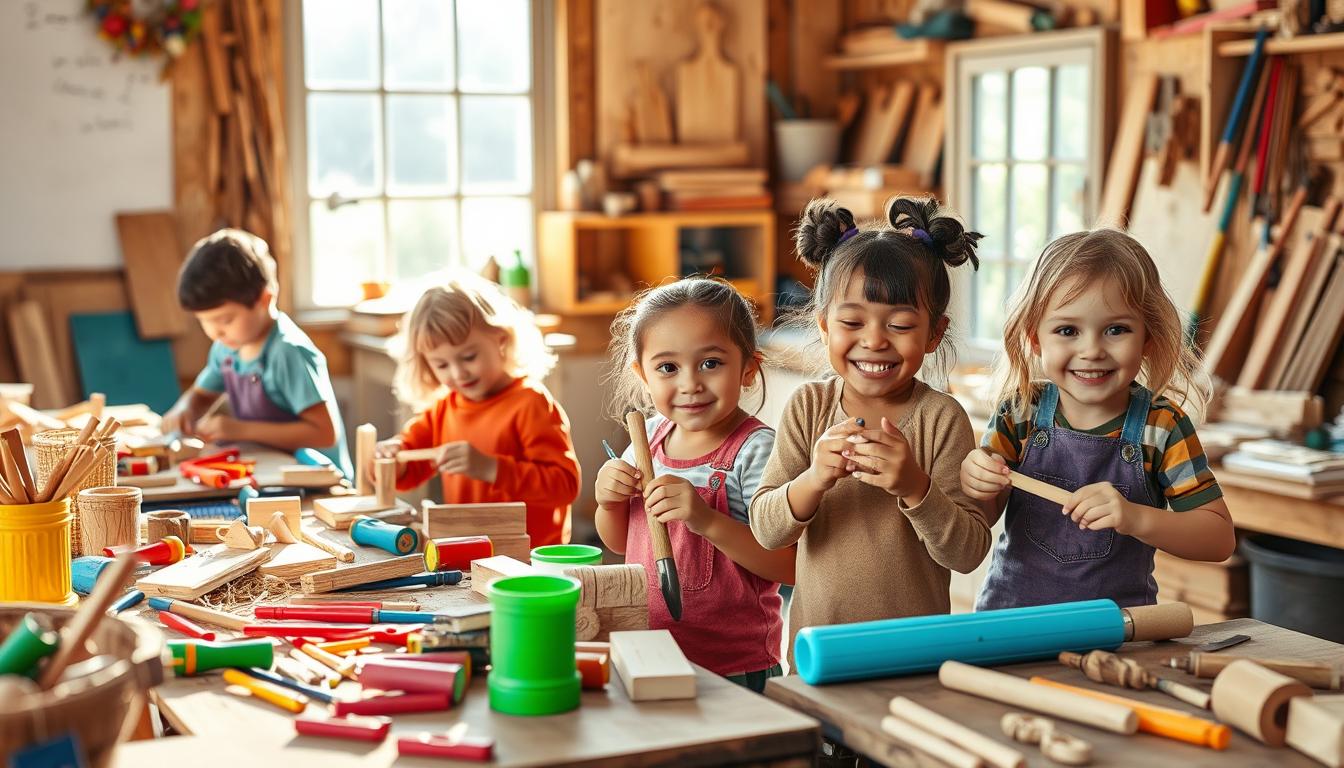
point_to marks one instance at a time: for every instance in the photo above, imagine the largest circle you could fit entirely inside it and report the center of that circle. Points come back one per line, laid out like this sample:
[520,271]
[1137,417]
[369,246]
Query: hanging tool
[668,583]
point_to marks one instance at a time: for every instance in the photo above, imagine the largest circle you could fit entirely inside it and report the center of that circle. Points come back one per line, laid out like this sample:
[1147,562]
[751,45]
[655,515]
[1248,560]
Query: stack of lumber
[715,189]
[1285,415]
[1289,469]
[1214,591]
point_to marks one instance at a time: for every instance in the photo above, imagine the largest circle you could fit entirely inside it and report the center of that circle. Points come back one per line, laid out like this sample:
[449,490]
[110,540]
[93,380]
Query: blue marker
[128,600]
[293,685]
[438,579]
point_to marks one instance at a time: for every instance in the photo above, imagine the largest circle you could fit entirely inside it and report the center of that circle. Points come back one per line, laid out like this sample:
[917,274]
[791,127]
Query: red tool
[185,626]
[165,551]
[391,705]
[459,747]
[354,728]
[219,470]
[378,633]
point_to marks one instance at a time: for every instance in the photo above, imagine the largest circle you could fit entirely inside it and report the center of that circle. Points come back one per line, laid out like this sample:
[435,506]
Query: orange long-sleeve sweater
[528,434]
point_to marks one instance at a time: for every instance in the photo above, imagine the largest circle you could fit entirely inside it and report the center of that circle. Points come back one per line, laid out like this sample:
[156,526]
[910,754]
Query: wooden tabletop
[851,712]
[269,461]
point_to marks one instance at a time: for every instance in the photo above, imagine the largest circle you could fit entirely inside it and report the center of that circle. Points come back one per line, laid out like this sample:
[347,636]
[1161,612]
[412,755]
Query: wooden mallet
[668,582]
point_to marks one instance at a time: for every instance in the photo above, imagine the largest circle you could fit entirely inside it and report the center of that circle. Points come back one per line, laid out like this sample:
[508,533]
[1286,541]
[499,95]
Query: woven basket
[50,447]
[101,707]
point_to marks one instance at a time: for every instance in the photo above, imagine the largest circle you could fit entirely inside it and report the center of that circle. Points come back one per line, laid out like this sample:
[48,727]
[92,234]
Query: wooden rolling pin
[1317,674]
[668,582]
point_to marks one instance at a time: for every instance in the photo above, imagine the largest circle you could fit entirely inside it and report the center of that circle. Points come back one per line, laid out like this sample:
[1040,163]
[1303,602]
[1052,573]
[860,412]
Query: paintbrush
[668,582]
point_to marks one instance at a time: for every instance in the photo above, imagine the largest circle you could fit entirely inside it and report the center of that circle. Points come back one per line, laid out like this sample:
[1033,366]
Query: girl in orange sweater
[476,359]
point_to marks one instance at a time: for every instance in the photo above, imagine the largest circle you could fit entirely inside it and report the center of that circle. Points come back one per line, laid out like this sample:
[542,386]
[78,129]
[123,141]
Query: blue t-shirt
[293,375]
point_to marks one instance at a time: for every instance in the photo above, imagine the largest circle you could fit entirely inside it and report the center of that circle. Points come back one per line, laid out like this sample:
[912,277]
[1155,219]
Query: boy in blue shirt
[275,378]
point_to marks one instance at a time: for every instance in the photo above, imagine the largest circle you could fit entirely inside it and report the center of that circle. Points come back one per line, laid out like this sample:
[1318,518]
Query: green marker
[29,642]
[193,656]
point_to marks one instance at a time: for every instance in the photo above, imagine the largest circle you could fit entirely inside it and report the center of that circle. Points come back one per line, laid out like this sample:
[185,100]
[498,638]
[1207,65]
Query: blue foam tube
[892,647]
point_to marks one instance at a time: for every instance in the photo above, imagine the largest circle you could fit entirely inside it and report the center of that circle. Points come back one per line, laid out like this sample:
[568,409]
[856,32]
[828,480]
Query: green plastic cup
[533,671]
[555,558]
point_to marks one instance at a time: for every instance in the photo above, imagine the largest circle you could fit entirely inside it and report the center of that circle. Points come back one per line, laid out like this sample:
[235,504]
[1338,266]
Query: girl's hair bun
[944,235]
[819,231]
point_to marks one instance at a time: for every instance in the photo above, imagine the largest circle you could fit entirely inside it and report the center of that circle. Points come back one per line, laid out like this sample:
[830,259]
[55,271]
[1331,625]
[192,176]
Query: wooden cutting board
[152,255]
[707,87]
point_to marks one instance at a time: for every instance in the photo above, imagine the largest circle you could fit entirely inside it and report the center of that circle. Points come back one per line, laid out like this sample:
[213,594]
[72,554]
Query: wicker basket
[102,707]
[50,447]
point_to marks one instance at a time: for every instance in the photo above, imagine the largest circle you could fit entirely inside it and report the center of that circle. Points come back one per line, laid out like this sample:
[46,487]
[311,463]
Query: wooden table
[267,471]
[851,712]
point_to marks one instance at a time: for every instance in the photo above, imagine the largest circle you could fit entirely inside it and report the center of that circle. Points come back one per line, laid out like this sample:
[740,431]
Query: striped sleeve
[750,467]
[1005,436]
[1181,467]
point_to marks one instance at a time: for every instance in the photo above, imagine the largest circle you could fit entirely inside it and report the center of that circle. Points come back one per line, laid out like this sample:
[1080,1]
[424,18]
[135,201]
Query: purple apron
[1042,556]
[247,399]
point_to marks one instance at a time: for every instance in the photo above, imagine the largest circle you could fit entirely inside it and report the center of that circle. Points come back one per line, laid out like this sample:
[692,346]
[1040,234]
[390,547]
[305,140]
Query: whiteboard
[83,137]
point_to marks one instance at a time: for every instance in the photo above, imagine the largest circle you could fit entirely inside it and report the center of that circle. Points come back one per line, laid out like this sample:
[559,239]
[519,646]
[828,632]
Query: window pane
[991,295]
[1070,199]
[496,41]
[418,44]
[989,208]
[340,43]
[496,145]
[421,145]
[1029,210]
[990,117]
[1071,112]
[343,136]
[423,236]
[1031,105]
[497,226]
[347,249]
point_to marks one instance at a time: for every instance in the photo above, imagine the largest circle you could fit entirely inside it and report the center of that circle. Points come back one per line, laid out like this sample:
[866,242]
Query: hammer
[668,582]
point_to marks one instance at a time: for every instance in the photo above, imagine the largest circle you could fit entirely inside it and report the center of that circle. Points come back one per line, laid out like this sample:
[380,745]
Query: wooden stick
[1038,488]
[58,474]
[15,443]
[987,749]
[344,554]
[1015,691]
[108,588]
[12,476]
[419,454]
[928,743]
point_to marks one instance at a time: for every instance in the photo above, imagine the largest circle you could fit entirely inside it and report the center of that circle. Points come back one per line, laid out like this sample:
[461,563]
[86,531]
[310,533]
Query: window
[1025,156]
[414,150]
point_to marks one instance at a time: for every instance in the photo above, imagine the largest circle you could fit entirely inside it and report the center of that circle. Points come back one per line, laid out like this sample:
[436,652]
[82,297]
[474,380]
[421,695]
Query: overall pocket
[1054,533]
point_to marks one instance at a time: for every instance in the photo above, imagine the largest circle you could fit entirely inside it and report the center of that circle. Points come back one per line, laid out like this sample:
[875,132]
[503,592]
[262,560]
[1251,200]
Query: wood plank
[636,160]
[339,511]
[216,57]
[1327,330]
[203,572]
[882,129]
[575,109]
[651,665]
[1291,340]
[924,145]
[1326,43]
[1127,152]
[353,575]
[814,30]
[260,510]
[292,561]
[35,353]
[443,520]
[152,255]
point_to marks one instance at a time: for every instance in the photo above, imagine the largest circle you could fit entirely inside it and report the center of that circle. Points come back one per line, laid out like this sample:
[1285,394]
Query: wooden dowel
[1015,691]
[928,743]
[419,454]
[987,749]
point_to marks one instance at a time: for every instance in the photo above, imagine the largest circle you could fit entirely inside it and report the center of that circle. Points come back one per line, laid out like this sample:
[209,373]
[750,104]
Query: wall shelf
[1333,41]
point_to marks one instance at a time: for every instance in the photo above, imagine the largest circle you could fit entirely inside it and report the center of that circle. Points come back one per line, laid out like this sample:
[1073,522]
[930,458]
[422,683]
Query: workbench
[851,712]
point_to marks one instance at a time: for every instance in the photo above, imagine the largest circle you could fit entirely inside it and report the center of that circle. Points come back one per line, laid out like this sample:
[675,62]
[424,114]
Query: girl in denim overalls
[1095,371]
[689,349]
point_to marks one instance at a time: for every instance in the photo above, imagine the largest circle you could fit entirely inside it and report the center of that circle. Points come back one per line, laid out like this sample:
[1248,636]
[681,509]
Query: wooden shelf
[915,52]
[1333,41]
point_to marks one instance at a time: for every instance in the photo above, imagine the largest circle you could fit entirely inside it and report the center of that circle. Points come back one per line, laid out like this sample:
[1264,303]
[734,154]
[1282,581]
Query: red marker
[354,728]
[338,614]
[322,631]
[166,551]
[391,705]
[185,626]
[480,748]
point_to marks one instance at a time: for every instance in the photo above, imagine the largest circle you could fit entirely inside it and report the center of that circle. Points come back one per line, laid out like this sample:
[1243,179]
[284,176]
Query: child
[1095,322]
[475,360]
[689,349]
[864,473]
[278,390]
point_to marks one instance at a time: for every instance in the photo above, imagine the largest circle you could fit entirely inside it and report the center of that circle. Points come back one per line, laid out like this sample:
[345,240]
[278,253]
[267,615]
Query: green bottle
[517,281]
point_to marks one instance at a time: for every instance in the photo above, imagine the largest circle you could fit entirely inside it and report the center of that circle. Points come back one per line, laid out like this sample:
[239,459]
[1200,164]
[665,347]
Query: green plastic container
[555,558]
[533,671]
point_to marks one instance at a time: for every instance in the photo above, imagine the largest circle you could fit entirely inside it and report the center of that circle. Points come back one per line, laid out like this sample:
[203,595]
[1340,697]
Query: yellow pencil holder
[35,553]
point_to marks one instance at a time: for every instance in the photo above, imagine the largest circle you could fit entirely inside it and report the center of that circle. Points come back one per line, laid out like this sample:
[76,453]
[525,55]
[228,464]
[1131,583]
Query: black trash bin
[1296,584]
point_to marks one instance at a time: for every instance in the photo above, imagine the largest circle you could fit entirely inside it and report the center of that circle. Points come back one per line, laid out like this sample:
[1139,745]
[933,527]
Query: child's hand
[388,449]
[984,475]
[674,498]
[218,429]
[1099,506]
[828,461]
[461,458]
[883,458]
[617,483]
[179,419]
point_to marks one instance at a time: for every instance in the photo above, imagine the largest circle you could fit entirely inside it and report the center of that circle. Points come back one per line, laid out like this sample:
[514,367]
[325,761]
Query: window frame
[300,289]
[1095,46]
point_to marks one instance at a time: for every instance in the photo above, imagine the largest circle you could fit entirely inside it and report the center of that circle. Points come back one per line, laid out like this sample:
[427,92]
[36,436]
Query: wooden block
[152,255]
[292,561]
[385,481]
[1127,152]
[279,528]
[652,666]
[488,569]
[239,535]
[203,572]
[340,511]
[611,586]
[503,519]
[637,160]
[259,511]
[621,619]
[1316,728]
[307,476]
[366,438]
[517,547]
[354,575]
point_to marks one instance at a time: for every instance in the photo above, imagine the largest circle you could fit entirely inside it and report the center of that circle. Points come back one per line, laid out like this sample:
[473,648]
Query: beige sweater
[863,556]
